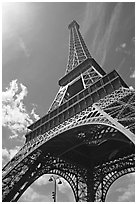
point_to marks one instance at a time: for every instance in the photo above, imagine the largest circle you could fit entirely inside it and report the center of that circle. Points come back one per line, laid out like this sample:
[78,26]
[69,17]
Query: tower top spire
[73,23]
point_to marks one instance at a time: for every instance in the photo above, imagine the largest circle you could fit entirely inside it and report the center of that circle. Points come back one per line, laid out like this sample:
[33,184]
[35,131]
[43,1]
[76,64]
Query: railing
[79,102]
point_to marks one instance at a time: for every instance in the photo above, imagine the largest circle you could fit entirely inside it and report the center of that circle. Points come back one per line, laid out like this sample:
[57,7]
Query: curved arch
[87,122]
[32,181]
[56,171]
[111,176]
[37,148]
[70,127]
[117,176]
[125,179]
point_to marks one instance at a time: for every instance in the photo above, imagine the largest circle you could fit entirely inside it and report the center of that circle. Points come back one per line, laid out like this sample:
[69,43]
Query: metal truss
[78,51]
[52,165]
[88,116]
[58,99]
[101,176]
[104,119]
[110,172]
[90,77]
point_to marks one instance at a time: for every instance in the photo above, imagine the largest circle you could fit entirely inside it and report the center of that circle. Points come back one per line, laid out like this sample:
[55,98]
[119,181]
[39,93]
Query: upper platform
[104,86]
[81,68]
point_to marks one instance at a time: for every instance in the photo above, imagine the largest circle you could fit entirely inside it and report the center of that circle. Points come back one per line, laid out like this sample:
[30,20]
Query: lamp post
[54,179]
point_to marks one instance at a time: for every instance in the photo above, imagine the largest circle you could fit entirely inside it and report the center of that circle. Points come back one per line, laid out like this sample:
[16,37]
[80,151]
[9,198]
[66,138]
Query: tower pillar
[90,186]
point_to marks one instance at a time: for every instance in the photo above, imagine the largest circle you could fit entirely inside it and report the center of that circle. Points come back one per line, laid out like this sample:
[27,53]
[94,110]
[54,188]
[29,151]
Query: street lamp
[54,179]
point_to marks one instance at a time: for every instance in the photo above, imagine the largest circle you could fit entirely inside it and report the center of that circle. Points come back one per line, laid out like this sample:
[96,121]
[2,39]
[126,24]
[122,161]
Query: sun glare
[14,8]
[14,15]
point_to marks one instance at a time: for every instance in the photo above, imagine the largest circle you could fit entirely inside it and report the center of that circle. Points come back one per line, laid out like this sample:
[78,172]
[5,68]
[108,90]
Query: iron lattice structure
[87,136]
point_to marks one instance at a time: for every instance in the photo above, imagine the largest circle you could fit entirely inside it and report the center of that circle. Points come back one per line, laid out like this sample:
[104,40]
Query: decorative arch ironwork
[122,167]
[48,166]
[71,175]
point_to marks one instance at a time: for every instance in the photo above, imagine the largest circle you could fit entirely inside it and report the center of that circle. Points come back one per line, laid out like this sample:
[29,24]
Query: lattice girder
[78,51]
[59,97]
[50,165]
[90,77]
[87,116]
[76,175]
[32,159]
[53,169]
[100,129]
[111,171]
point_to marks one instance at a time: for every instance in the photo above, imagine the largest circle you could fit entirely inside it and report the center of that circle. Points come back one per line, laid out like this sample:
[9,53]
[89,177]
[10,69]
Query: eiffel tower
[87,136]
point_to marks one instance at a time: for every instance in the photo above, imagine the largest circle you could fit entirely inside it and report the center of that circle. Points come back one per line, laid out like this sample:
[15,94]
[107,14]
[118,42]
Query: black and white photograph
[68,101]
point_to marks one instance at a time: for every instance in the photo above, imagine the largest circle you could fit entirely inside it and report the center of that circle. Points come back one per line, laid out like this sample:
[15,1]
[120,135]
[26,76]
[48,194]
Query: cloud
[8,154]
[96,18]
[13,23]
[123,189]
[43,180]
[23,47]
[92,15]
[5,153]
[64,187]
[12,152]
[33,113]
[30,195]
[132,75]
[14,112]
[103,45]
[127,192]
[121,47]
[34,193]
[5,156]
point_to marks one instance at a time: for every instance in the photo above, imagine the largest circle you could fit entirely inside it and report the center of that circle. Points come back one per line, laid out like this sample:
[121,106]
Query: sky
[35,45]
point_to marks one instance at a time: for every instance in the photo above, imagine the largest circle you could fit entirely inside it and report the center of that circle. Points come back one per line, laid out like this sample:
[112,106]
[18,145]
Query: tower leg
[90,186]
[101,181]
